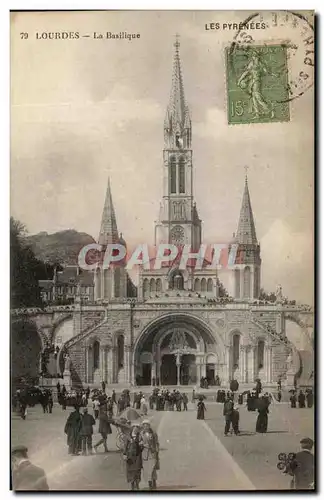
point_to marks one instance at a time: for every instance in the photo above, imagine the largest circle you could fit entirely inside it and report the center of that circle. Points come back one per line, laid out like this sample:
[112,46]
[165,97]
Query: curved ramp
[307,368]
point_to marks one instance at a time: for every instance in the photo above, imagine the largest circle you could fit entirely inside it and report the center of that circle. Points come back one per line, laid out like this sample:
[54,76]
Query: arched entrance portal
[172,351]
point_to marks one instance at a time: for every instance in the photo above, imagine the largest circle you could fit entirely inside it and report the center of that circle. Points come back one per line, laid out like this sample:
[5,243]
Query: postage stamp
[257,84]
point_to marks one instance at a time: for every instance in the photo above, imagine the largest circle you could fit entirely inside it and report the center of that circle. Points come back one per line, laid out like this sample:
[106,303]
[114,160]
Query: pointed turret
[108,230]
[247,268]
[246,229]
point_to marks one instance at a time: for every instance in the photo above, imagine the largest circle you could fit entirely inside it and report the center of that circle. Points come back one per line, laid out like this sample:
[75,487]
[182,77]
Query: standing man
[72,430]
[87,424]
[302,468]
[236,420]
[104,429]
[301,399]
[103,386]
[96,406]
[228,412]
[185,401]
[309,398]
[25,475]
[50,402]
[293,400]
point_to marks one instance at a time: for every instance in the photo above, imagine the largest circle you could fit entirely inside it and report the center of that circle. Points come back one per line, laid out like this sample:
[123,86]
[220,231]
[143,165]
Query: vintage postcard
[162,250]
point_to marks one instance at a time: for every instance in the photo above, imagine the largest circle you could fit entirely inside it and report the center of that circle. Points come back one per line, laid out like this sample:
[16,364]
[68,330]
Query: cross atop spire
[246,233]
[246,173]
[177,43]
[108,229]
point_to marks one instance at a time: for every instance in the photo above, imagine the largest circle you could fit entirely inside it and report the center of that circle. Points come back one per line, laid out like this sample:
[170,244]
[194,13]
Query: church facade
[182,326]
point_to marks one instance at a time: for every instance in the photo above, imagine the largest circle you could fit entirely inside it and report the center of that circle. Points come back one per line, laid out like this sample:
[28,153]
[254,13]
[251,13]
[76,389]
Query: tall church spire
[246,233]
[177,123]
[108,229]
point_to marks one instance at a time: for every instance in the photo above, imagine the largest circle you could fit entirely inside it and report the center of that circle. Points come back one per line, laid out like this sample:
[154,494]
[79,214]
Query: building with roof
[180,327]
[66,284]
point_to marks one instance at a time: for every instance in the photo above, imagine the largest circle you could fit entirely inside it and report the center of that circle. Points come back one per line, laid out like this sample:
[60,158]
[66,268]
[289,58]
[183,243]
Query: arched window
[146,287]
[197,285]
[256,283]
[117,282]
[182,176]
[120,351]
[237,278]
[152,285]
[96,352]
[260,354]
[246,283]
[173,175]
[158,285]
[209,285]
[176,281]
[236,350]
[203,285]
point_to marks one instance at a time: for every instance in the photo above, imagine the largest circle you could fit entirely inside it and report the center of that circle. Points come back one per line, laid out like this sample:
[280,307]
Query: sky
[85,109]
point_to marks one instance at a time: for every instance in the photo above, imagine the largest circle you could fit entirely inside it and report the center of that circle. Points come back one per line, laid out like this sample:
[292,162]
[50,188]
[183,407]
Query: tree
[24,269]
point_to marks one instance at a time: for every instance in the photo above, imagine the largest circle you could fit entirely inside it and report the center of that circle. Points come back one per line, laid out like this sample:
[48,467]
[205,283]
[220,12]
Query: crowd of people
[162,399]
[140,445]
[302,398]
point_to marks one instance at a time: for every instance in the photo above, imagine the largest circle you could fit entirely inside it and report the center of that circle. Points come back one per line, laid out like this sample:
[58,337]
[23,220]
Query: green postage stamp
[257,84]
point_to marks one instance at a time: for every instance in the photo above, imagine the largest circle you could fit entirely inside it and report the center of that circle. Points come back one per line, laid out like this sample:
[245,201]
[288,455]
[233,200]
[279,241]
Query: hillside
[62,247]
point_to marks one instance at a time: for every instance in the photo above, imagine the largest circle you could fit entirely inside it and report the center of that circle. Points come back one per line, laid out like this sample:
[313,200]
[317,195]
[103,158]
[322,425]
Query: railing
[282,339]
[132,302]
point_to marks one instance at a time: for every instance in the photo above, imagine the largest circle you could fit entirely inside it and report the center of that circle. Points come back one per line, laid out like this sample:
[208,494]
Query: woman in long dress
[150,454]
[262,420]
[201,408]
[133,457]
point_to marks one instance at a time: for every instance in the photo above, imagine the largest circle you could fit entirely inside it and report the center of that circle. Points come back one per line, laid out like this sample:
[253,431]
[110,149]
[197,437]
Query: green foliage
[24,269]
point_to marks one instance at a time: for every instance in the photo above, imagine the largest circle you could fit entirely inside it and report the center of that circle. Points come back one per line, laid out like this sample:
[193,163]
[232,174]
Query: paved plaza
[194,454]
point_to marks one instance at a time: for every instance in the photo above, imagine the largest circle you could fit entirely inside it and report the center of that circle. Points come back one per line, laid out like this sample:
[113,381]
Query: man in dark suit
[86,432]
[25,475]
[303,466]
[228,413]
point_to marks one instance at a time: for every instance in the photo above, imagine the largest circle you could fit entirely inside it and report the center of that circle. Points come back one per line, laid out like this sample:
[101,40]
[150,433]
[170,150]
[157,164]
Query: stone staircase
[306,358]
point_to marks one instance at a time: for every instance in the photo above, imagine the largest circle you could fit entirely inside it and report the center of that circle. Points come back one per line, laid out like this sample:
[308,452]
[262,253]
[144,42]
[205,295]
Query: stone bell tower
[178,223]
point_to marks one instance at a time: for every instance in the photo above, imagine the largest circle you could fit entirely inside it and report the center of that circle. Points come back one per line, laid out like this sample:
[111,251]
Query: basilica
[183,325]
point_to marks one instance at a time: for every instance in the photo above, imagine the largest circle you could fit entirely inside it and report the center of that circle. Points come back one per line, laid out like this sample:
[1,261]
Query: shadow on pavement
[106,453]
[175,487]
[276,432]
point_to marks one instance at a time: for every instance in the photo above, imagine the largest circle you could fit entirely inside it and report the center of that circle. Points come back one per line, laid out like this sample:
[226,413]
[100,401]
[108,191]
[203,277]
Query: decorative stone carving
[67,363]
[178,341]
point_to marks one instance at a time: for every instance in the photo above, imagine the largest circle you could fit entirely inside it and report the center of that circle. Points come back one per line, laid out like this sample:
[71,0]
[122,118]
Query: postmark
[292,31]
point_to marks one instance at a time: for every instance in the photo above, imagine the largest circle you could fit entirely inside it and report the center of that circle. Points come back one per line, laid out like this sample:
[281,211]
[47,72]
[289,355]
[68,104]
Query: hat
[307,443]
[146,421]
[19,449]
